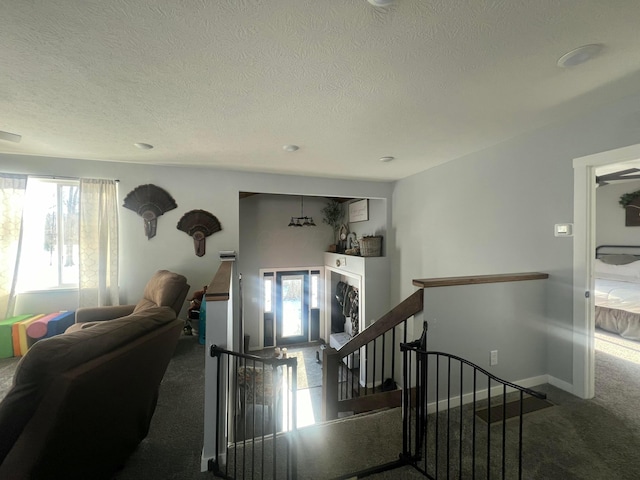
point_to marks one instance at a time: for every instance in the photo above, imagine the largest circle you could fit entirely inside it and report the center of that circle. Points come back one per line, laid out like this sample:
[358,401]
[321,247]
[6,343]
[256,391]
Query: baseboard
[206,461]
[561,384]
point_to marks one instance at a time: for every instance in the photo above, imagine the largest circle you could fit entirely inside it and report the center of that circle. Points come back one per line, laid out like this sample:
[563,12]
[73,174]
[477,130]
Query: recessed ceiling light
[580,55]
[291,148]
[143,146]
[10,137]
[386,159]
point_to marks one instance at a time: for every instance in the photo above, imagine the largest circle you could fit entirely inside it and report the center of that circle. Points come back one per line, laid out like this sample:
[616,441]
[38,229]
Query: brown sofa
[81,402]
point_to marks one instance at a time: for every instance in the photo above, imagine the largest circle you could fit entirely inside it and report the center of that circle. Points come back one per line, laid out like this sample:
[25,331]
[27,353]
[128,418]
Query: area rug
[512,409]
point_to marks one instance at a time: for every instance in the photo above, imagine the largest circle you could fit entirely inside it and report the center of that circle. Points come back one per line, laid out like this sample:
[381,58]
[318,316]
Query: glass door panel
[292,313]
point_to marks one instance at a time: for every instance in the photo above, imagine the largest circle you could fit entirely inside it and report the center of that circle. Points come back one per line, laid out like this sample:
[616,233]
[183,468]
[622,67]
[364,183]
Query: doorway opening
[583,263]
[291,306]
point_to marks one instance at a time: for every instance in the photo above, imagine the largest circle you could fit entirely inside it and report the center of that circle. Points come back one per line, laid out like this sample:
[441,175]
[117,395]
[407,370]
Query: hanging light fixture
[301,221]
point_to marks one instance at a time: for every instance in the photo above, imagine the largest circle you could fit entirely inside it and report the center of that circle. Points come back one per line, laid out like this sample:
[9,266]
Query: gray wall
[214,190]
[267,242]
[610,216]
[375,225]
[493,212]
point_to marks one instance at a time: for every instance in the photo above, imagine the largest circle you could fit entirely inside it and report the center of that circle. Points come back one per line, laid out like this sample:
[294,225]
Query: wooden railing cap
[218,289]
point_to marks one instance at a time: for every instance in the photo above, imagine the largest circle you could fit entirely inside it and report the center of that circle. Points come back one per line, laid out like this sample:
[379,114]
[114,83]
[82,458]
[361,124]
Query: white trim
[561,384]
[275,270]
[583,248]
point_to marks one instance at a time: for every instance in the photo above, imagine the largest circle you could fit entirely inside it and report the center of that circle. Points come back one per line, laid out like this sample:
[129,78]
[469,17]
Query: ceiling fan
[603,180]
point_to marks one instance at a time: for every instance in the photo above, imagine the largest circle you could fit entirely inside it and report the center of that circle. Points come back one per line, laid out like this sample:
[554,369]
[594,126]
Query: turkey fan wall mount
[149,201]
[199,224]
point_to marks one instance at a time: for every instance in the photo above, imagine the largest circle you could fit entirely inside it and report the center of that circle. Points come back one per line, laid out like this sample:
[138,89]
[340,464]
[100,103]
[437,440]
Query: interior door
[292,307]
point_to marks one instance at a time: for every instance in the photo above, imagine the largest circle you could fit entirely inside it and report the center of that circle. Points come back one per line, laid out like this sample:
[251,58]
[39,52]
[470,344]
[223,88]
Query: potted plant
[333,214]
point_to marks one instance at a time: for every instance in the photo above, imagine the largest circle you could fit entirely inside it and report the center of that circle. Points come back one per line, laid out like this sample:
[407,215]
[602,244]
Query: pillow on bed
[626,273]
[618,258]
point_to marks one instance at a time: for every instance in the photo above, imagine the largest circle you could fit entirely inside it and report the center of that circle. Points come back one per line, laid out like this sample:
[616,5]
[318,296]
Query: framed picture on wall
[359,211]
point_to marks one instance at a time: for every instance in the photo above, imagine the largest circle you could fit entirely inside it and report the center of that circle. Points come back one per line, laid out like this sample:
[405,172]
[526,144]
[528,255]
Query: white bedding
[617,298]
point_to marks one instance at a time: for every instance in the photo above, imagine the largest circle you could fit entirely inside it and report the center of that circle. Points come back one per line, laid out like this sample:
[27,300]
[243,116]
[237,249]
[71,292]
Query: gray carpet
[575,439]
[173,448]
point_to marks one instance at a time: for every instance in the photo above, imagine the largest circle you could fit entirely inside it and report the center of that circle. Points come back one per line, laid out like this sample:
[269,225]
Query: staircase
[428,427]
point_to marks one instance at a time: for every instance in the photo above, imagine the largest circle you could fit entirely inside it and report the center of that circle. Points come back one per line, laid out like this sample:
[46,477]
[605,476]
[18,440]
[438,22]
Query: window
[268,292]
[49,248]
[315,285]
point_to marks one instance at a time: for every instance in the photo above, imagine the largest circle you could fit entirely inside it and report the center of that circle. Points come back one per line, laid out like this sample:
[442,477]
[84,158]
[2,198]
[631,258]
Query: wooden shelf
[476,279]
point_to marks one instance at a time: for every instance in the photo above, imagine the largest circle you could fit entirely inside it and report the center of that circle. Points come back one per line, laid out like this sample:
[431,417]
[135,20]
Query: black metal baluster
[226,421]
[504,431]
[393,353]
[448,414]
[235,423]
[489,428]
[419,402]
[437,411]
[416,382]
[244,365]
[384,335]
[426,411]
[374,365]
[216,355]
[366,368]
[289,418]
[473,433]
[461,390]
[253,431]
[520,436]
[274,415]
[359,369]
[264,453]
[294,421]
[405,403]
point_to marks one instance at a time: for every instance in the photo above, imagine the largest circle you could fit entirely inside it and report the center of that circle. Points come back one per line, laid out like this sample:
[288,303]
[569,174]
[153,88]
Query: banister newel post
[330,363]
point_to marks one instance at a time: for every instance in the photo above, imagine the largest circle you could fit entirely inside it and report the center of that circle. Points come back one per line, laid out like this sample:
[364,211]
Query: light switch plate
[563,230]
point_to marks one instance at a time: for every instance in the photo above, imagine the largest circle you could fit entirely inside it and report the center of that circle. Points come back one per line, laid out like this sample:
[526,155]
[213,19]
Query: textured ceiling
[226,83]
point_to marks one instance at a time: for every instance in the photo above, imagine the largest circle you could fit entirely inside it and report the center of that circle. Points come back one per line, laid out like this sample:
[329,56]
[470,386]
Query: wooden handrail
[476,279]
[218,289]
[409,307]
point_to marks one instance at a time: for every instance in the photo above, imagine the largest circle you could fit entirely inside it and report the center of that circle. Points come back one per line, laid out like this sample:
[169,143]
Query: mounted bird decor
[199,224]
[149,201]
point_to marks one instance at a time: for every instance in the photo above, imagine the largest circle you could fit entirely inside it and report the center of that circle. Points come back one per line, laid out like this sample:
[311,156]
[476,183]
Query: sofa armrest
[99,314]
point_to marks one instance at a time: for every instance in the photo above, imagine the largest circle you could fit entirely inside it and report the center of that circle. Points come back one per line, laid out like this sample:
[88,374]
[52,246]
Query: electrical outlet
[494,357]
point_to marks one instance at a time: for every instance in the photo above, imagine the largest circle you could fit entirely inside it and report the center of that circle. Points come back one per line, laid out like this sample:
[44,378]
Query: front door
[292,307]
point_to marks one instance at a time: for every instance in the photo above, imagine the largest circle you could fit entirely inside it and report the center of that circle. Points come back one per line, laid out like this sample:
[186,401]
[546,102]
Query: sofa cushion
[165,288]
[50,357]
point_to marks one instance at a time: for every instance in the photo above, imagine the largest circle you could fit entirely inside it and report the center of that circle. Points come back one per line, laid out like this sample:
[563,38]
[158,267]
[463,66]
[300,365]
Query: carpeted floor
[576,439]
[7,367]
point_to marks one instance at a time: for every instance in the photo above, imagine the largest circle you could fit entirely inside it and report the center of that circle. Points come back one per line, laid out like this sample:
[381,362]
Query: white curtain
[12,190]
[98,243]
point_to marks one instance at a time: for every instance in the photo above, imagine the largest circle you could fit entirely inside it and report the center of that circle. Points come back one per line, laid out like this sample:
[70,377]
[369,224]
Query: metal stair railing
[443,436]
[259,424]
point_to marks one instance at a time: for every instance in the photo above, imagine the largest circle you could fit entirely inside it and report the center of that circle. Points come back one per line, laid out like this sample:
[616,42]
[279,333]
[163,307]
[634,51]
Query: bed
[617,290]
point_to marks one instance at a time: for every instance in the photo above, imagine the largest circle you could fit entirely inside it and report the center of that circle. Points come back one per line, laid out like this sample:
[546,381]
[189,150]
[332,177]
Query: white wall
[493,212]
[610,215]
